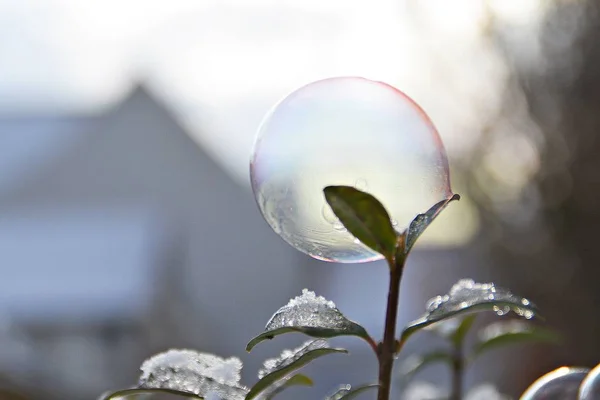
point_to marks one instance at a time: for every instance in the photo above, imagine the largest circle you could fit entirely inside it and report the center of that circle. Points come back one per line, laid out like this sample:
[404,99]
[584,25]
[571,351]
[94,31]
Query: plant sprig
[369,222]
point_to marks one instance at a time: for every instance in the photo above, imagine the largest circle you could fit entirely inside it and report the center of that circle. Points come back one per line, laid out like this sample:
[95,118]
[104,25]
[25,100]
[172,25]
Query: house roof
[72,159]
[133,171]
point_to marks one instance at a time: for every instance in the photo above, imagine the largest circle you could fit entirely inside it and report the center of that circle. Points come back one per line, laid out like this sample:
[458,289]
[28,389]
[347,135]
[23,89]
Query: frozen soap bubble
[560,384]
[590,387]
[344,131]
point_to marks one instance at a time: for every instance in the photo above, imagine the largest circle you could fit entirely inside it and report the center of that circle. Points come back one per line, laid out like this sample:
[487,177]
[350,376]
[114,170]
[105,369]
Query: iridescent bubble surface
[344,131]
[560,384]
[590,387]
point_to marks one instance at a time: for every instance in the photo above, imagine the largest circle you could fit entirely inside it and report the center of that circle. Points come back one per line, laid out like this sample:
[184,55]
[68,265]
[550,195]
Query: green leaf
[288,368]
[296,380]
[281,368]
[422,221]
[312,315]
[466,297]
[452,329]
[346,392]
[415,363]
[463,329]
[514,331]
[123,394]
[364,217]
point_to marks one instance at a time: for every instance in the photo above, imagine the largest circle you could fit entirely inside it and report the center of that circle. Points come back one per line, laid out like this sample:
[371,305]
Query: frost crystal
[309,310]
[466,293]
[289,356]
[193,372]
[310,298]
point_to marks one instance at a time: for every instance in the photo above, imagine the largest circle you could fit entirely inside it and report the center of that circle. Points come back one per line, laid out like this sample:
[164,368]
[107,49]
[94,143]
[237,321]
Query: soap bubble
[590,387]
[562,383]
[344,131]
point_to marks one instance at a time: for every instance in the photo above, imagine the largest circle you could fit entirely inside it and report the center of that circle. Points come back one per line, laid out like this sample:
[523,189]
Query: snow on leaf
[466,296]
[345,392]
[193,372]
[208,365]
[279,369]
[312,315]
[289,356]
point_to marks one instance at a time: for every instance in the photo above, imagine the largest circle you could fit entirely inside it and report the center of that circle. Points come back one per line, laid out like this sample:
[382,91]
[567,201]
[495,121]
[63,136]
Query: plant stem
[457,373]
[387,349]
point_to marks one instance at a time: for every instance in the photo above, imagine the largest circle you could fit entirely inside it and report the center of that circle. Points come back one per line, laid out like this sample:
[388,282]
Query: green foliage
[296,380]
[324,321]
[422,222]
[367,219]
[364,217]
[414,364]
[281,373]
[502,300]
[324,333]
[126,393]
[458,336]
[495,334]
[503,333]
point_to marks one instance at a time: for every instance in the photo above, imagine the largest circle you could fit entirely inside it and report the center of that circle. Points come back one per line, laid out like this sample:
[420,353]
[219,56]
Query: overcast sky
[221,64]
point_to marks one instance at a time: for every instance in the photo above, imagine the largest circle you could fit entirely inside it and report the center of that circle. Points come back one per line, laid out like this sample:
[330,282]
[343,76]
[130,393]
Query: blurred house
[119,237]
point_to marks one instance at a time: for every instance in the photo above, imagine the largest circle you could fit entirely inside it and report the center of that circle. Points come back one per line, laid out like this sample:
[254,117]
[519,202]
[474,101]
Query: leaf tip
[252,343]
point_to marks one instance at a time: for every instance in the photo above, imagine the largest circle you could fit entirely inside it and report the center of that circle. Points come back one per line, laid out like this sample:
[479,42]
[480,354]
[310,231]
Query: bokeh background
[127,225]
